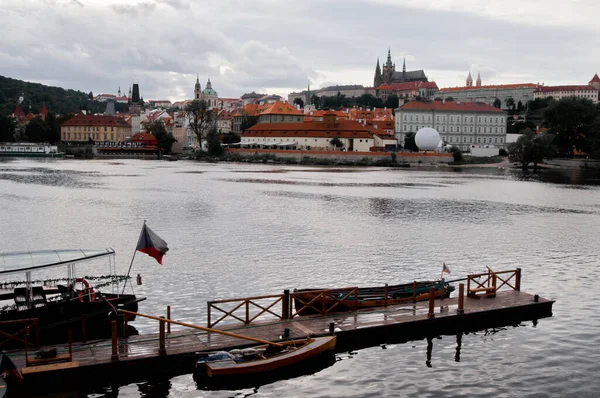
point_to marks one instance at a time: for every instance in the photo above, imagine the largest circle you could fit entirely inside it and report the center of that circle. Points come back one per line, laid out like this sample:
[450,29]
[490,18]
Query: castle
[388,74]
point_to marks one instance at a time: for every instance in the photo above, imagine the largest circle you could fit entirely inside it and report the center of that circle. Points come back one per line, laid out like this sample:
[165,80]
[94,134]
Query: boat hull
[315,301]
[86,320]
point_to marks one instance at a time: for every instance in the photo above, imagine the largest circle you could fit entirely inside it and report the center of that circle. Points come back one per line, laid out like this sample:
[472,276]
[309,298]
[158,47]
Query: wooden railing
[324,301]
[246,310]
[490,282]
[20,335]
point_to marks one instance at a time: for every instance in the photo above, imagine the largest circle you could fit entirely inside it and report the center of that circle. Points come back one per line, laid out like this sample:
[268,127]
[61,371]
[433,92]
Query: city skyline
[276,47]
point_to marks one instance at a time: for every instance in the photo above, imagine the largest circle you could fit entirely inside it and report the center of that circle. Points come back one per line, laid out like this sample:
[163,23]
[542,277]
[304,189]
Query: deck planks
[184,342]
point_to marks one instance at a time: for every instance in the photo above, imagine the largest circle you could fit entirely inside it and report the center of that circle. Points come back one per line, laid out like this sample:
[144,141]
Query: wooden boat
[264,359]
[321,301]
[46,310]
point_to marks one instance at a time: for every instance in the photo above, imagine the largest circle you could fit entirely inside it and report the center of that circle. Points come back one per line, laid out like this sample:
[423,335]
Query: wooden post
[461,299]
[494,282]
[285,304]
[83,329]
[468,284]
[386,295]
[70,345]
[431,313]
[518,279]
[414,297]
[247,312]
[286,333]
[168,317]
[332,328]
[115,352]
[161,336]
[355,298]
[125,327]
[208,315]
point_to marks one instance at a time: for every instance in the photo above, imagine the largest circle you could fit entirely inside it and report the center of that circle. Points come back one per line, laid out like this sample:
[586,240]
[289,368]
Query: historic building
[520,92]
[84,128]
[388,74]
[208,94]
[462,124]
[557,92]
[355,136]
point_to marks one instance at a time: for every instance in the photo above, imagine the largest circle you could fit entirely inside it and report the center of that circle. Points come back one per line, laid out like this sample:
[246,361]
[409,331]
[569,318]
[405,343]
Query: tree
[53,127]
[336,142]
[36,130]
[158,130]
[531,148]
[315,100]
[91,96]
[214,143]
[298,101]
[457,154]
[498,103]
[392,102]
[199,117]
[520,106]
[510,102]
[7,128]
[569,120]
[438,99]
[231,138]
[247,121]
[449,98]
[409,142]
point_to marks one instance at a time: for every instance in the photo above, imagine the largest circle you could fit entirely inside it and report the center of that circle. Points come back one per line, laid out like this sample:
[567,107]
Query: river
[236,230]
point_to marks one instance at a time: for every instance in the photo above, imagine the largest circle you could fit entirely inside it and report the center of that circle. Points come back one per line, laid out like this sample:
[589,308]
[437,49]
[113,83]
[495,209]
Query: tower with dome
[208,94]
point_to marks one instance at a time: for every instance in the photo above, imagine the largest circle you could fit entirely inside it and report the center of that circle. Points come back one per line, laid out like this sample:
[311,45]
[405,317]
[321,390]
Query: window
[470,140]
[479,140]
[471,119]
[471,129]
[423,117]
[457,129]
[404,117]
[479,129]
[495,140]
[451,118]
[437,118]
[451,129]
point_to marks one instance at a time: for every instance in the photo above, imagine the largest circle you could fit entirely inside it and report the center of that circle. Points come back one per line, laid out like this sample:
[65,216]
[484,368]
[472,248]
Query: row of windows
[89,128]
[457,129]
[465,119]
[86,136]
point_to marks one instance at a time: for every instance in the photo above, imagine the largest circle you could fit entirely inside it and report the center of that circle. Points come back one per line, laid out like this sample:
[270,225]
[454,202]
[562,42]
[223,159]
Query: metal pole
[133,257]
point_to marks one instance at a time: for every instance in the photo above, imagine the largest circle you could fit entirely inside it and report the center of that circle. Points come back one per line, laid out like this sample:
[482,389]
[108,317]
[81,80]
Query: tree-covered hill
[56,99]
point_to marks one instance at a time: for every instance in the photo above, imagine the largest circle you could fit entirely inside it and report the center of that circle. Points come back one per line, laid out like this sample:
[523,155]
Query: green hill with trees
[57,99]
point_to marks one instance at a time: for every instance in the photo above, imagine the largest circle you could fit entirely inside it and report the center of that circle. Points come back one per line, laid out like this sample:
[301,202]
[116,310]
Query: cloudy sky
[277,46]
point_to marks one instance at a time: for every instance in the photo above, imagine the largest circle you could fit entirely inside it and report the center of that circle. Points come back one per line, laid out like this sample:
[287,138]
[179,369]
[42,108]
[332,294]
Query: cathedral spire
[469,80]
[478,82]
[389,58]
[404,65]
[377,79]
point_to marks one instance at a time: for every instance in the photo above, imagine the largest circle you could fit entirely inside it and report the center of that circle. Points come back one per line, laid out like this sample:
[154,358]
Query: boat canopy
[35,260]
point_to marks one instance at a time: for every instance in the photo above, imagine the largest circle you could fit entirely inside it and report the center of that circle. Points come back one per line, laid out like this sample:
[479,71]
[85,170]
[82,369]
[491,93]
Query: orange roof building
[316,135]
[84,128]
[557,92]
[459,123]
[490,94]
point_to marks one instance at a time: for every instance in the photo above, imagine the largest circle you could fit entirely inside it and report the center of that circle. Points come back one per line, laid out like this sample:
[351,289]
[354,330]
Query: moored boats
[320,301]
[46,310]
[29,149]
[259,362]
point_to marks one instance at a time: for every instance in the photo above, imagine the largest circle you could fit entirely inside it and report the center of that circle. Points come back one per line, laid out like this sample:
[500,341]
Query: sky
[278,46]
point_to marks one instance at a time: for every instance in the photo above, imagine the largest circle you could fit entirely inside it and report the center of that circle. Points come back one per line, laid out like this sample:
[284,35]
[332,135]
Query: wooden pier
[481,305]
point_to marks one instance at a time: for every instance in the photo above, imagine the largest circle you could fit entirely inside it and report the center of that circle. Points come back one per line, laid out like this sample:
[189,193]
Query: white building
[557,92]
[459,123]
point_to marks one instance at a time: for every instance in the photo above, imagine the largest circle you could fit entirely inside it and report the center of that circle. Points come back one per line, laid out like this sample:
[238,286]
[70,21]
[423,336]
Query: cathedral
[388,74]
[208,94]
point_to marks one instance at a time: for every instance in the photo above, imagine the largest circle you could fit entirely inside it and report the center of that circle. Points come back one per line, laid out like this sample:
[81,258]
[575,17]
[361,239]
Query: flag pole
[133,257]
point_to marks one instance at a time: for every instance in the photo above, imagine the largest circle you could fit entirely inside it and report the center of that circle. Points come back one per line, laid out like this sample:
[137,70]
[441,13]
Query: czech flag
[9,370]
[152,244]
[445,269]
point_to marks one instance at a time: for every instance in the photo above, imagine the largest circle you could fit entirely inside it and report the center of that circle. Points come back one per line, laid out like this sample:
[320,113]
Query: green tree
[449,98]
[91,96]
[199,118]
[510,103]
[36,130]
[7,128]
[569,120]
[158,130]
[336,142]
[214,143]
[457,154]
[247,121]
[520,106]
[498,103]
[231,138]
[53,127]
[392,102]
[298,101]
[316,101]
[531,148]
[409,142]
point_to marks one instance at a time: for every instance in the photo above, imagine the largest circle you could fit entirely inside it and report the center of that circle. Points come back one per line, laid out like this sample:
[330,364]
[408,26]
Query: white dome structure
[427,139]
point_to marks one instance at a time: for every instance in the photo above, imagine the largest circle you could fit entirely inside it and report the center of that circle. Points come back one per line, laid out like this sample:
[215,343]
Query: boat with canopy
[49,310]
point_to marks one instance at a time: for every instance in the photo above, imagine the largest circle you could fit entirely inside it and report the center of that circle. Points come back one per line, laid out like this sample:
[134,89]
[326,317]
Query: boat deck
[368,327]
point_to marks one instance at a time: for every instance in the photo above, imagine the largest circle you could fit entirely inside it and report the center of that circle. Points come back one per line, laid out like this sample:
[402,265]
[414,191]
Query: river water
[239,230]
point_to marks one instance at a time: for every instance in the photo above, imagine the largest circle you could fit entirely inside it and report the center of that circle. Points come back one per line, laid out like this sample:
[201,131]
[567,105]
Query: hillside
[56,99]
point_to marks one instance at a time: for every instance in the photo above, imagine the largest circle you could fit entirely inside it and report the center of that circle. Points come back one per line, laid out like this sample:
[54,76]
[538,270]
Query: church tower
[478,81]
[469,80]
[135,104]
[197,91]
[388,69]
[119,92]
[377,79]
[595,82]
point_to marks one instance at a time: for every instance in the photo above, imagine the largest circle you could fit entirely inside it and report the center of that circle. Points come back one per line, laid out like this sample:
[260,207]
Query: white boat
[29,149]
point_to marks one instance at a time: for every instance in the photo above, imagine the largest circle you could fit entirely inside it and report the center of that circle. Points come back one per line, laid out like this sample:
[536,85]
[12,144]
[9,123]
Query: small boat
[29,149]
[262,360]
[47,310]
[321,301]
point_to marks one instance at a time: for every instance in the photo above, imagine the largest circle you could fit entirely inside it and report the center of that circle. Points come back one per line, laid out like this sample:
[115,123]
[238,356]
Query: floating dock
[481,305]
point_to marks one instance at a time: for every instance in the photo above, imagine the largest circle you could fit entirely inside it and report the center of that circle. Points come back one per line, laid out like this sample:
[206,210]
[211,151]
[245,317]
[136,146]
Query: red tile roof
[96,120]
[498,86]
[407,86]
[595,79]
[19,111]
[341,128]
[552,89]
[280,108]
[451,106]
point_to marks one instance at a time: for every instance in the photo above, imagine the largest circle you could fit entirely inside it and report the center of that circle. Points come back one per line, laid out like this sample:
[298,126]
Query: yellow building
[102,128]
